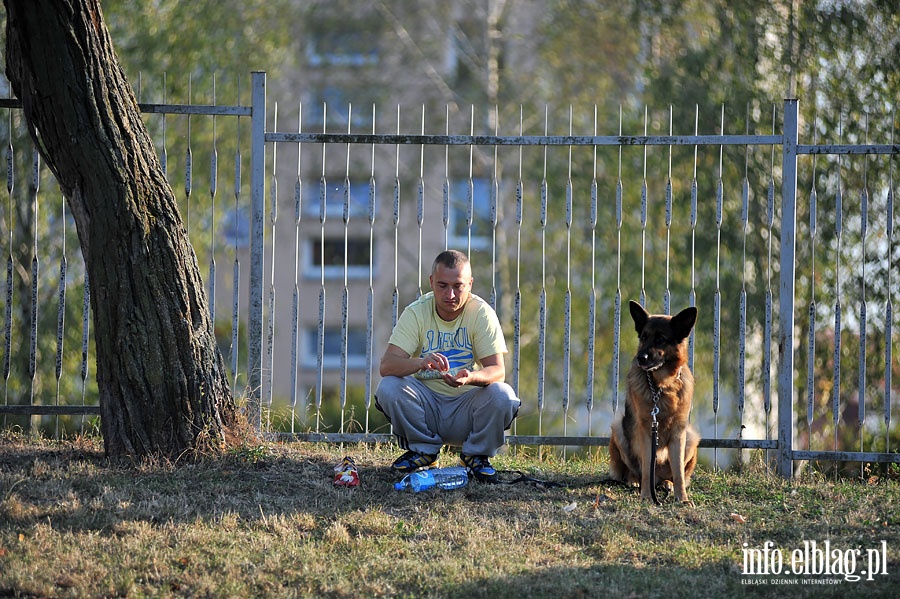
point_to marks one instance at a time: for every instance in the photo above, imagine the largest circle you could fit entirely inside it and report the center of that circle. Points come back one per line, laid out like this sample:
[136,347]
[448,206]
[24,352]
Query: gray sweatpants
[423,420]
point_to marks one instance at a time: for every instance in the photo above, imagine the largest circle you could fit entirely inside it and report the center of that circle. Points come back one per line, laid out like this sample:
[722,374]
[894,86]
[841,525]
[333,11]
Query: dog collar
[656,391]
[650,377]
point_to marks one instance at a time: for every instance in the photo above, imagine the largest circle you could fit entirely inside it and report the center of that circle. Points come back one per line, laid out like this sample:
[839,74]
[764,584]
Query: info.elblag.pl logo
[816,559]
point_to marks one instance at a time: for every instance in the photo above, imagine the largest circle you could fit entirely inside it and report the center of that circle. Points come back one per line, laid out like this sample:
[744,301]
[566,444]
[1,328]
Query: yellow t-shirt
[474,334]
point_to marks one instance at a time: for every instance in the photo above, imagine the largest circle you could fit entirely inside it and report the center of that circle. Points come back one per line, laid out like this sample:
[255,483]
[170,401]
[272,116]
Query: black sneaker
[413,460]
[480,467]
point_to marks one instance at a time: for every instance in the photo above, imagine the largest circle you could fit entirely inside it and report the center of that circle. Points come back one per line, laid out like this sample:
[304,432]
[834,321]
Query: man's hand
[462,377]
[396,362]
[435,361]
[492,371]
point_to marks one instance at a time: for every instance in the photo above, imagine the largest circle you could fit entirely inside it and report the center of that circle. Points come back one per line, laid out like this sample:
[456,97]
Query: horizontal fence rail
[793,350]
[529,140]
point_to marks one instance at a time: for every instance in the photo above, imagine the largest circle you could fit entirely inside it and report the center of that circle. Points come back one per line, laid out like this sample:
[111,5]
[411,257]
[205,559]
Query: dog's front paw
[683,499]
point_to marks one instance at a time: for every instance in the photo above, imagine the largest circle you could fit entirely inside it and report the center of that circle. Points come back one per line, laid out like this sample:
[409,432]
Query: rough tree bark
[162,382]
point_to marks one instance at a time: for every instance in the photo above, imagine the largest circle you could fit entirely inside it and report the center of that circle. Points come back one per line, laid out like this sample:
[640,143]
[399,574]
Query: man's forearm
[487,375]
[398,366]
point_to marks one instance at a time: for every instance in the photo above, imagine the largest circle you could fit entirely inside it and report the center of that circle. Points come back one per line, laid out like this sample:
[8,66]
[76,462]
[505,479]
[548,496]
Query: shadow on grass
[75,489]
[708,581]
[501,540]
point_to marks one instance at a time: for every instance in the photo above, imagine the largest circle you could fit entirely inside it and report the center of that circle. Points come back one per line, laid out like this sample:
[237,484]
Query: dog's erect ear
[639,315]
[683,322]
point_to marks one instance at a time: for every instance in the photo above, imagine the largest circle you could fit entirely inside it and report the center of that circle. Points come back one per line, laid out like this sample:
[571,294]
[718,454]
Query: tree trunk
[162,382]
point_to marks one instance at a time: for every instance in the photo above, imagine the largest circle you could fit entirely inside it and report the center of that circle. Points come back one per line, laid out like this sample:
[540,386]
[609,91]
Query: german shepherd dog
[659,376]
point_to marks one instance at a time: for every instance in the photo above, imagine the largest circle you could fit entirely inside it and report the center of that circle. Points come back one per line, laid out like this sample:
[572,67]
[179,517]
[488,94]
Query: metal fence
[562,228]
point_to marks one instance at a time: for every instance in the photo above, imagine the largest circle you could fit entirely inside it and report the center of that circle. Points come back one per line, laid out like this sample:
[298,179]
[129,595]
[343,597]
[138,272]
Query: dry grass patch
[266,520]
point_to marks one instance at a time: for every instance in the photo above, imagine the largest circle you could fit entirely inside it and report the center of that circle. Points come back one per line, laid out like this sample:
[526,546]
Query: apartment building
[385,67]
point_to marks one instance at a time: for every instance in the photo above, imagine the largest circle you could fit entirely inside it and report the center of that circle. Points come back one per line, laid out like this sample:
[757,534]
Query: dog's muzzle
[646,362]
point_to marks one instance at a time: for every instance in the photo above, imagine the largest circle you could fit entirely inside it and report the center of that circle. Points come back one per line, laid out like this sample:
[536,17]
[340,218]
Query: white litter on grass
[571,507]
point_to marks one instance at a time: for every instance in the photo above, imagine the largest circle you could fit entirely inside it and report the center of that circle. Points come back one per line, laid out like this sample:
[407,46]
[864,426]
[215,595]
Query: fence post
[786,293]
[257,234]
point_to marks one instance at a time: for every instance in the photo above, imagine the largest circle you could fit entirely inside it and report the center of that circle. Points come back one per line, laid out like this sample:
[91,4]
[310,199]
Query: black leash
[654,443]
[654,437]
[523,478]
[550,484]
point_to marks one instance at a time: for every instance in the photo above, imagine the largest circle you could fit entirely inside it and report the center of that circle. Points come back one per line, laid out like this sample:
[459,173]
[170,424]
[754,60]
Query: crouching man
[443,375]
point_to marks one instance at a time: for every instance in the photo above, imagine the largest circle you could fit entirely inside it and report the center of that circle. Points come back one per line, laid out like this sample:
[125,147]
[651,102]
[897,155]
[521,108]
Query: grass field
[267,521]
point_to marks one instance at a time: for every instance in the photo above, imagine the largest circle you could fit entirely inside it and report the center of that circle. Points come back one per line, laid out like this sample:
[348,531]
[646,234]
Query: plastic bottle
[454,477]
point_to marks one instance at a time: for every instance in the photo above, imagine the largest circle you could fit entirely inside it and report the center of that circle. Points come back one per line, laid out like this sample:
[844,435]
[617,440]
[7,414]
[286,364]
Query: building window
[462,60]
[337,108]
[480,227]
[342,42]
[326,257]
[332,348]
[333,192]
[465,63]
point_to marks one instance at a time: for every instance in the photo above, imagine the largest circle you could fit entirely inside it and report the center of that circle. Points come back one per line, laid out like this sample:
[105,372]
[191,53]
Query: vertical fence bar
[592,305]
[35,269]
[395,294]
[839,237]
[517,307]
[270,329]
[395,220]
[811,343]
[644,201]
[345,292]
[767,334]
[567,309]
[61,305]
[188,164]
[320,338]
[213,185]
[742,325]
[889,305]
[864,229]
[370,296]
[717,296]
[420,205]
[786,290]
[7,321]
[257,234]
[236,266]
[667,294]
[494,214]
[617,309]
[889,313]
[567,314]
[470,187]
[295,295]
[542,318]
[446,190]
[693,293]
